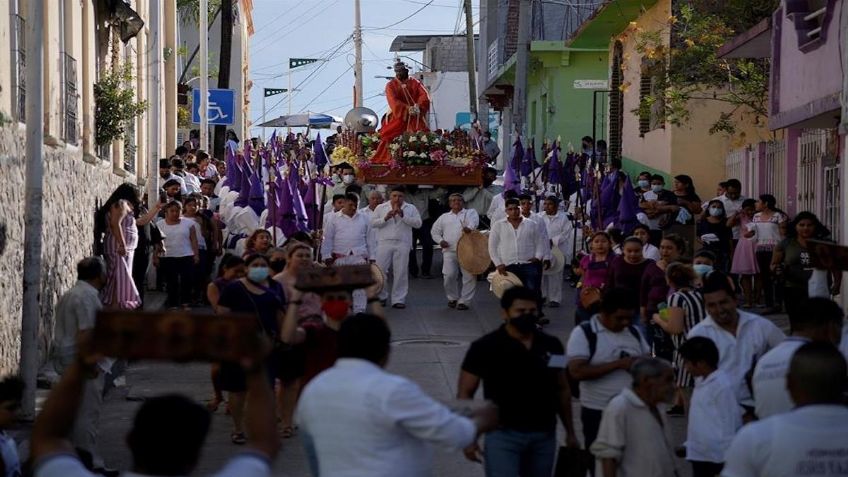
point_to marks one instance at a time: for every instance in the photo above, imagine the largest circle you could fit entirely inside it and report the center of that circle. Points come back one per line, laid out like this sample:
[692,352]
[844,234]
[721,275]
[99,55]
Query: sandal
[238,438]
[213,404]
[287,432]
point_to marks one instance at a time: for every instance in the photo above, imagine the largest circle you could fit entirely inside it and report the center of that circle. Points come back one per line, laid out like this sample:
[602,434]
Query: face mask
[657,188]
[336,179]
[348,179]
[525,323]
[258,274]
[277,265]
[643,184]
[702,268]
[335,309]
[716,212]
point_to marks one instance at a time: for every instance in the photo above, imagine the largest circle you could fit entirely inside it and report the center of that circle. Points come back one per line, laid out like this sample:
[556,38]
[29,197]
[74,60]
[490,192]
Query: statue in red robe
[409,104]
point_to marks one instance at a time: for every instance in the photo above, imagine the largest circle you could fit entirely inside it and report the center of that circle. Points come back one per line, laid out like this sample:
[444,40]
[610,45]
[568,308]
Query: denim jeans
[530,275]
[509,453]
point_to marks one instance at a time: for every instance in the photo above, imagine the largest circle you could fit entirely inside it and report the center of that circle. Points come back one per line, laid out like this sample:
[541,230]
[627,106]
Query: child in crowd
[714,413]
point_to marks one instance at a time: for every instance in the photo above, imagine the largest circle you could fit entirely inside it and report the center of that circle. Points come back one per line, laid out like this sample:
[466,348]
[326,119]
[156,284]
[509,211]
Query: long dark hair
[821,232]
[125,191]
[688,182]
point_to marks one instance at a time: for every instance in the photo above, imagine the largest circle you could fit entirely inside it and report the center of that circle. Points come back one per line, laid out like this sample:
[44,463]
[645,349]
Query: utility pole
[204,75]
[155,113]
[519,98]
[483,66]
[357,45]
[31,309]
[469,46]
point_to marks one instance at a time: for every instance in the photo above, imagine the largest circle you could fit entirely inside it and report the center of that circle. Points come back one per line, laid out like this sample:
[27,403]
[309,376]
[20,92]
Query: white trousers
[359,298]
[552,287]
[451,271]
[394,255]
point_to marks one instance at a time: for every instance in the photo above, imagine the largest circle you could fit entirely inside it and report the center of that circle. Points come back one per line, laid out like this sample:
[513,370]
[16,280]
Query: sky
[320,29]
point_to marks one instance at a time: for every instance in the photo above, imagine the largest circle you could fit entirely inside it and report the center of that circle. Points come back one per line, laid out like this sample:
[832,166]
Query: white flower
[449,148]
[423,138]
[423,155]
[412,139]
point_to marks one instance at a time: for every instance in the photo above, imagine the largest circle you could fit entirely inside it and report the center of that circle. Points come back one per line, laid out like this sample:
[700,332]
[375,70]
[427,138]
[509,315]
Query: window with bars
[70,100]
[650,96]
[18,65]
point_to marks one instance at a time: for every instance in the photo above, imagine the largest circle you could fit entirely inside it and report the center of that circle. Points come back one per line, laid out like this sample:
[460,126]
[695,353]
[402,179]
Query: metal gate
[738,165]
[832,215]
[775,171]
[811,147]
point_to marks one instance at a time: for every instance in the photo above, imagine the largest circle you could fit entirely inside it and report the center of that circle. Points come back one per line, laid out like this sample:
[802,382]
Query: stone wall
[71,189]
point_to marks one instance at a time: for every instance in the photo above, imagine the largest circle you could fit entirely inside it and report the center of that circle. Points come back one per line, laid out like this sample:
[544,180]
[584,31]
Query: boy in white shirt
[714,413]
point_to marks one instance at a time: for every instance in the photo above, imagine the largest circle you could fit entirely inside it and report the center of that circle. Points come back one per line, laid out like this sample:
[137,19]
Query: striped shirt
[692,303]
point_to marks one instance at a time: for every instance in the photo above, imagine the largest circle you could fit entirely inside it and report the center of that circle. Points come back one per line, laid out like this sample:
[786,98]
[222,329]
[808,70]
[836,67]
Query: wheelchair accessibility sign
[221,106]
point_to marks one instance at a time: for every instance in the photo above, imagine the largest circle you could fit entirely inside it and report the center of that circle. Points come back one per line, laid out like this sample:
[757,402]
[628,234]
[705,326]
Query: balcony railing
[18,65]
[71,99]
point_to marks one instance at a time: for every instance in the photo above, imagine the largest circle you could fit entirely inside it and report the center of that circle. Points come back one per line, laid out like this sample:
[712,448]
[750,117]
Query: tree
[688,68]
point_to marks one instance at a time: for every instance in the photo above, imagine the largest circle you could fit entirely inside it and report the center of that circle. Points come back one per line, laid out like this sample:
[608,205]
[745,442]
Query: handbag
[572,462]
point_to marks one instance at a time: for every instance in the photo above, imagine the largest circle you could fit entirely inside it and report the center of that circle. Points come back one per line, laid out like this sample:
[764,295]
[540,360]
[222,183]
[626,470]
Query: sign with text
[220,104]
[591,84]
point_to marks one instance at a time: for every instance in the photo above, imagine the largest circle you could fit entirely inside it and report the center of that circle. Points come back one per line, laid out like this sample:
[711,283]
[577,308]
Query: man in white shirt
[516,245]
[561,234]
[497,208]
[207,169]
[634,437]
[166,175]
[714,411]
[394,222]
[742,338]
[820,320]
[446,231]
[600,352]
[374,198]
[192,179]
[356,419]
[809,440]
[168,432]
[336,204]
[348,241]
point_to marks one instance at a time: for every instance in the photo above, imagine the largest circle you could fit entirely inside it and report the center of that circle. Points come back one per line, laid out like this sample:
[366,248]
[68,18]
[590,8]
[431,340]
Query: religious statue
[409,104]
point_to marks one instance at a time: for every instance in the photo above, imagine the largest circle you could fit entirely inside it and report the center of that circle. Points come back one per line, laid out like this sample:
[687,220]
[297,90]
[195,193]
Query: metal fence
[811,147]
[738,165]
[775,171]
[833,212]
[71,100]
[18,66]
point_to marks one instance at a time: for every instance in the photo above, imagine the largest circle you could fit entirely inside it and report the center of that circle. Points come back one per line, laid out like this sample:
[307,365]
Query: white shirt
[810,440]
[543,232]
[176,237]
[358,420]
[192,183]
[372,232]
[177,178]
[201,241]
[346,235]
[769,383]
[478,198]
[497,208]
[75,312]
[651,196]
[596,393]
[630,434]
[714,417]
[396,228]
[559,228]
[731,208]
[755,335]
[509,246]
[448,226]
[244,464]
[650,251]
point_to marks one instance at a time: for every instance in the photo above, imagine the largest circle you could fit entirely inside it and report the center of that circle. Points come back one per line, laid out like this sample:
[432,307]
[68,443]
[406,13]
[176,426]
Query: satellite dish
[361,120]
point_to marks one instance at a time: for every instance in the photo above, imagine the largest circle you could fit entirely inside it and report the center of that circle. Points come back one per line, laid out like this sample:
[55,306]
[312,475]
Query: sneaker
[452,304]
[462,307]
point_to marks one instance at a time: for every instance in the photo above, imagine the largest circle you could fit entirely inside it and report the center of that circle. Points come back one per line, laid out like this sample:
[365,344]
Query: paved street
[430,341]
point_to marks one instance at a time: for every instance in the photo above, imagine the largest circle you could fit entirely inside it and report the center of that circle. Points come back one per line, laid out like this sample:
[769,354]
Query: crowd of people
[658,331]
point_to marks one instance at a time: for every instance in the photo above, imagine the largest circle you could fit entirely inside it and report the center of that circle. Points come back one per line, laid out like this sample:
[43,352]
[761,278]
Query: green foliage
[189,10]
[696,31]
[115,105]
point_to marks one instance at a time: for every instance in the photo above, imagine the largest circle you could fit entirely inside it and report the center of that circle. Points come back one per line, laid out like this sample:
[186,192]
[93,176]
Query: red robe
[401,96]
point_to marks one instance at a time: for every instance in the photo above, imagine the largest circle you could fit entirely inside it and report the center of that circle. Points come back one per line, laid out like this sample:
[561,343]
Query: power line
[416,12]
[328,87]
[275,39]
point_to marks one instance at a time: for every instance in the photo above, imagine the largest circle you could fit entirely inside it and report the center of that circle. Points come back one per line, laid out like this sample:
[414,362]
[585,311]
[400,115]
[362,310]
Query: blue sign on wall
[463,120]
[221,106]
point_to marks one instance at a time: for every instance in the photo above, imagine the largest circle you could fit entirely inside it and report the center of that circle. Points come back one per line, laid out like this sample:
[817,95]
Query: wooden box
[424,175]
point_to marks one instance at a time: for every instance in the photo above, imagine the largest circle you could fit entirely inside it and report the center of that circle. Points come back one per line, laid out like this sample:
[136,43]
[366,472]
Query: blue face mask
[257,274]
[702,268]
[643,184]
[657,188]
[716,211]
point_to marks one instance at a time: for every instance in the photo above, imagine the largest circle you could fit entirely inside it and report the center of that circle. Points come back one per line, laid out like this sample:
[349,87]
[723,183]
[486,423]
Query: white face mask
[336,179]
[657,188]
[716,211]
[347,179]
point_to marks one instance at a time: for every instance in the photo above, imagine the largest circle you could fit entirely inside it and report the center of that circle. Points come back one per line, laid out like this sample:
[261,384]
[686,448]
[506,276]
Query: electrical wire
[306,108]
[416,12]
[276,39]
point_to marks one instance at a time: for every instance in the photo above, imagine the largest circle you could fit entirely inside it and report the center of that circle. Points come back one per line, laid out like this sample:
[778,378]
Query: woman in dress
[298,257]
[714,234]
[685,310]
[231,269]
[263,298]
[117,222]
[769,228]
[744,255]
[655,292]
[593,272]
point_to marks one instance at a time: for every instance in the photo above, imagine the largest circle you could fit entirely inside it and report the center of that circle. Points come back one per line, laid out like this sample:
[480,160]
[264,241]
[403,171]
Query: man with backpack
[600,354]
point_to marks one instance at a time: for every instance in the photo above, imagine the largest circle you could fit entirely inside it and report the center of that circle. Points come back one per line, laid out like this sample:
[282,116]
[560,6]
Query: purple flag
[243,176]
[610,198]
[555,168]
[257,193]
[319,153]
[569,180]
[628,207]
[297,201]
[511,181]
[310,203]
[528,162]
[284,216]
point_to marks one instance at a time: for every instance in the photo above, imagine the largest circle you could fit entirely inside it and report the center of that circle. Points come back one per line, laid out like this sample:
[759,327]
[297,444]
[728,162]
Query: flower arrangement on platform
[369,143]
[416,149]
[343,154]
